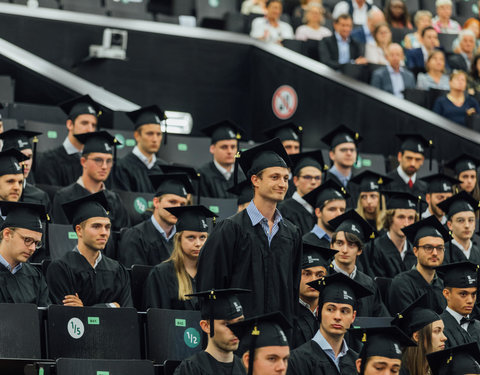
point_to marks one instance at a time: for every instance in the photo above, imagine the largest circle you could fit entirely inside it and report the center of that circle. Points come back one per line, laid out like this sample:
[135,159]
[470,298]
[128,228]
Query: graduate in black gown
[151,241]
[263,344]
[219,307]
[343,143]
[84,276]
[169,282]
[462,359]
[329,201]
[60,166]
[316,261]
[132,171]
[460,211]
[97,162]
[429,239]
[328,353]
[440,187]
[21,234]
[460,282]
[307,175]
[11,175]
[257,249]
[216,177]
[351,232]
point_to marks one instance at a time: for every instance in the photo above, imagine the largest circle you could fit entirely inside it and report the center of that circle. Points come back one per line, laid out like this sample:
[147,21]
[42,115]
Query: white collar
[303,202]
[458,317]
[404,176]
[80,182]
[223,171]
[339,270]
[466,252]
[70,149]
[405,246]
[149,164]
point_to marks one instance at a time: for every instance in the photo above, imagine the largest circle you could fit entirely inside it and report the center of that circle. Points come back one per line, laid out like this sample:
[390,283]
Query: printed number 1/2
[192,338]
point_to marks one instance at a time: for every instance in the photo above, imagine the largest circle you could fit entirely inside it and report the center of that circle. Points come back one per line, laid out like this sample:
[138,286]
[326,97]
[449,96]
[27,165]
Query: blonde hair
[378,211]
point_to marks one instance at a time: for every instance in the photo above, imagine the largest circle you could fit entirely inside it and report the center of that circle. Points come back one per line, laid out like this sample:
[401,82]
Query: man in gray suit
[393,78]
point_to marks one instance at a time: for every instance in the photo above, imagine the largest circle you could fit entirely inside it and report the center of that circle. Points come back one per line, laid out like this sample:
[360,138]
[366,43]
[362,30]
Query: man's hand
[72,300]
[361,60]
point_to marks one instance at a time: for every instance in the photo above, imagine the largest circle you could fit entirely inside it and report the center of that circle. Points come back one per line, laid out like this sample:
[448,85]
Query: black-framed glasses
[99,161]
[28,241]
[429,248]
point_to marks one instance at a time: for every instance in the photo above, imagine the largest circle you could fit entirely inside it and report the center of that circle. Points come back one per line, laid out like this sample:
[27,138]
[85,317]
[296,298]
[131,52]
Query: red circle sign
[284,102]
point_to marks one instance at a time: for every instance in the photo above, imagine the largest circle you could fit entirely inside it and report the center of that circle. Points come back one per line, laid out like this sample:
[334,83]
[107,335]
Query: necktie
[410,183]
[465,320]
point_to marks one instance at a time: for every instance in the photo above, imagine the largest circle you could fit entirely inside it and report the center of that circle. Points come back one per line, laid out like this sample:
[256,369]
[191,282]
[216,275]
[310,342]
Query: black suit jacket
[328,51]
[456,61]
[456,335]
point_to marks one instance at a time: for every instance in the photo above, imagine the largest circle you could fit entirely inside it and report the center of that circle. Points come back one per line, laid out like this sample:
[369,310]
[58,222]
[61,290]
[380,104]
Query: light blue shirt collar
[320,233]
[17,268]
[223,171]
[327,348]
[70,148]
[256,217]
[143,158]
[160,229]
[343,179]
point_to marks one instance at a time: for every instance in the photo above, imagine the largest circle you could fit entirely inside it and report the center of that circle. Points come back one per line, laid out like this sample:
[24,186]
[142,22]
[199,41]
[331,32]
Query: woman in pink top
[313,28]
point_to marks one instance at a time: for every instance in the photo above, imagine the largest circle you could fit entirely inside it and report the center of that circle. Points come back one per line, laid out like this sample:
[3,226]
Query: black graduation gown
[202,363]
[161,289]
[32,194]
[25,286]
[108,282]
[312,238]
[297,214]
[118,213]
[386,260]
[407,286]
[237,255]
[56,167]
[306,326]
[310,359]
[130,174]
[454,254]
[419,187]
[144,244]
[213,184]
[352,189]
[455,334]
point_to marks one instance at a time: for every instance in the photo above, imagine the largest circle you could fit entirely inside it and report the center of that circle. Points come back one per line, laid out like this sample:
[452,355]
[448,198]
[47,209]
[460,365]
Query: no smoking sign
[284,102]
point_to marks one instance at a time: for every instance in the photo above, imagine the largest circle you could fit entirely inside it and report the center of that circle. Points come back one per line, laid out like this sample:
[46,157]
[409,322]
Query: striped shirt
[256,217]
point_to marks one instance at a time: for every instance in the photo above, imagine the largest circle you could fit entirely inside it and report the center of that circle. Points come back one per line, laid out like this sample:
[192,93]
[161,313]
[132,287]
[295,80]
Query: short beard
[327,226]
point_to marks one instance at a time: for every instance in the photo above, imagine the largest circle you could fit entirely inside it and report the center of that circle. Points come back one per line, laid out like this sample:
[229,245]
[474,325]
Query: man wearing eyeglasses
[307,175]
[428,237]
[97,162]
[20,235]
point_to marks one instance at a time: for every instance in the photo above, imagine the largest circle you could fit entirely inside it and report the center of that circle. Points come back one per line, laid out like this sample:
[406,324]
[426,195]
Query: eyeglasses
[99,161]
[310,178]
[28,241]
[429,248]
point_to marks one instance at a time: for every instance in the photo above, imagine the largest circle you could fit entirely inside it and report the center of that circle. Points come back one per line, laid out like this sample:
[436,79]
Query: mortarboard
[463,162]
[460,202]
[458,275]
[102,142]
[370,181]
[402,200]
[10,162]
[341,134]
[23,215]
[243,190]
[329,190]
[18,139]
[223,130]
[84,208]
[192,218]
[308,159]
[149,115]
[192,173]
[314,256]
[173,183]
[440,183]
[429,227]
[288,131]
[81,105]
[352,222]
[414,142]
[457,360]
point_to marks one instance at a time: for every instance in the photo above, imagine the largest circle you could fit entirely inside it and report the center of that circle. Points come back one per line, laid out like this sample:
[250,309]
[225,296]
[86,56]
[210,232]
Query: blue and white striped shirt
[17,268]
[256,217]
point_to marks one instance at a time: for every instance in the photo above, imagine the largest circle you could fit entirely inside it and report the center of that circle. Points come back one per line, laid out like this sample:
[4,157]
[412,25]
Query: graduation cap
[102,142]
[370,181]
[416,316]
[148,115]
[84,208]
[10,162]
[402,200]
[223,130]
[459,275]
[243,190]
[173,183]
[192,218]
[314,256]
[429,227]
[352,222]
[81,105]
[329,190]
[23,215]
[20,140]
[462,163]
[338,288]
[341,134]
[440,183]
[288,131]
[192,173]
[265,155]
[460,202]
[259,332]
[221,304]
[308,159]
[416,143]
[457,360]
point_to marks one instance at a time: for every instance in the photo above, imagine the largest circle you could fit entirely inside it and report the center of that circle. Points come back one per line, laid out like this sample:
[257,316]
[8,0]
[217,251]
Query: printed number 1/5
[76,330]
[192,338]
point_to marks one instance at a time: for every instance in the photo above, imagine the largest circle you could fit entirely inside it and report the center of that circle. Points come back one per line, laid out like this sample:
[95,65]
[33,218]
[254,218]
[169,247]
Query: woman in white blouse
[375,51]
[313,20]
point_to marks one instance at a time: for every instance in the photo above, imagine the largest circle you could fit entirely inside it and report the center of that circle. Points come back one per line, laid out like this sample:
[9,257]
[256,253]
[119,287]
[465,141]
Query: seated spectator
[254,7]
[375,51]
[313,28]
[435,77]
[470,24]
[474,77]
[462,60]
[442,21]
[417,57]
[340,49]
[393,78]
[457,105]
[423,18]
[364,34]
[270,28]
[396,14]
[300,10]
[357,9]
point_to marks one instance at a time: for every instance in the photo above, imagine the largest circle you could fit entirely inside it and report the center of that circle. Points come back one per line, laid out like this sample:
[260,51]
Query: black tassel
[198,189]
[212,328]
[34,153]
[115,143]
[165,132]
[300,137]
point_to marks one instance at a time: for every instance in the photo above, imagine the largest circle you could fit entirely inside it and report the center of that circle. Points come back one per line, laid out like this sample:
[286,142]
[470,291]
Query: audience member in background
[340,49]
[423,19]
[442,21]
[254,7]
[440,187]
[465,167]
[435,77]
[357,9]
[462,60]
[471,24]
[11,175]
[473,81]
[270,28]
[457,105]
[290,135]
[396,14]
[364,34]
[393,78]
[417,57]
[375,51]
[313,19]
[170,281]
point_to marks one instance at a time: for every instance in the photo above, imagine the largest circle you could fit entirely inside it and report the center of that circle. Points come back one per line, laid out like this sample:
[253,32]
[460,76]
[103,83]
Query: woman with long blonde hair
[169,282]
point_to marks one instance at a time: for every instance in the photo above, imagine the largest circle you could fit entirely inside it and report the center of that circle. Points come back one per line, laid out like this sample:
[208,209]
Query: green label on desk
[366,163]
[214,209]
[72,236]
[180,323]
[52,134]
[103,373]
[182,147]
[93,320]
[130,142]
